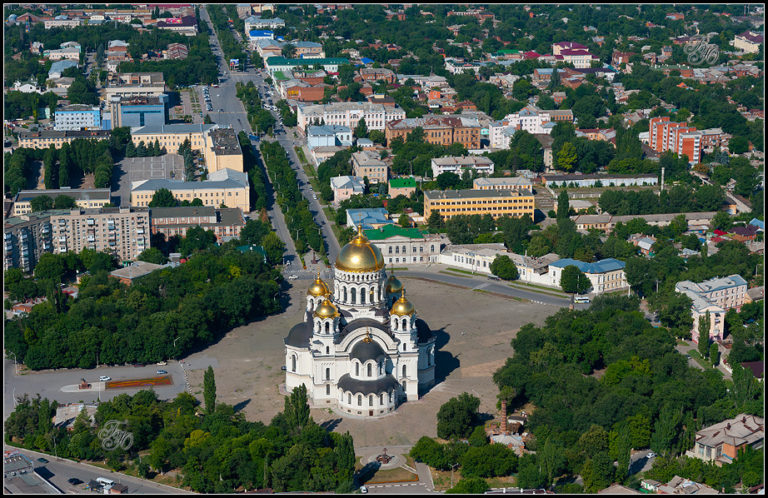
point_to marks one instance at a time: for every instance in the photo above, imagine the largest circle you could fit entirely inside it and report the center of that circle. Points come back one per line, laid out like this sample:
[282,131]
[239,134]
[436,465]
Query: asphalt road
[58,470]
[228,111]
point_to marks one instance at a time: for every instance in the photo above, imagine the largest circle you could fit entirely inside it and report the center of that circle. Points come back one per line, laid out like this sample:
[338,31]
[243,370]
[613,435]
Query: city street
[58,470]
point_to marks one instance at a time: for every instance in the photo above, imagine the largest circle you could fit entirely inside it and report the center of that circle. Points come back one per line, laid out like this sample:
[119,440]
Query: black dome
[299,335]
[365,351]
[377,386]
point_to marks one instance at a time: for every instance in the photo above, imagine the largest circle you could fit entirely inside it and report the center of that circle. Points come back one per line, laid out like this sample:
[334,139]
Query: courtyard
[472,339]
[133,169]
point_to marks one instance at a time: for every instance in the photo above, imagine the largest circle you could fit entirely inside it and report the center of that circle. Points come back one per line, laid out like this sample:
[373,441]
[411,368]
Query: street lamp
[453,467]
[15,363]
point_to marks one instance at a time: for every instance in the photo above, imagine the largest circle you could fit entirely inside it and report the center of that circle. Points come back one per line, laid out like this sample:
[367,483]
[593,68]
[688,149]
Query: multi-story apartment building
[458,165]
[84,198]
[137,111]
[513,183]
[348,114]
[120,231]
[714,296]
[531,119]
[680,138]
[440,130]
[135,84]
[401,245]
[226,223]
[225,186]
[77,117]
[497,203]
[173,135]
[62,21]
[328,136]
[366,163]
[222,150]
[26,238]
[44,139]
[117,52]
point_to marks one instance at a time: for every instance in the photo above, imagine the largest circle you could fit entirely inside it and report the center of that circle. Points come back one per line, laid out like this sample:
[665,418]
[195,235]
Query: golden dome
[326,310]
[318,288]
[359,255]
[393,284]
[403,306]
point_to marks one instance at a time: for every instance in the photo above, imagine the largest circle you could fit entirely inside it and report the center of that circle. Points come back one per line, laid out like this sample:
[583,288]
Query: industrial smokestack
[504,416]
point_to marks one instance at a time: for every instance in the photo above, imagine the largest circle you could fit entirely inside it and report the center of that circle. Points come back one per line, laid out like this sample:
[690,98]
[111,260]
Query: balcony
[62,239]
[90,221]
[140,231]
[8,236]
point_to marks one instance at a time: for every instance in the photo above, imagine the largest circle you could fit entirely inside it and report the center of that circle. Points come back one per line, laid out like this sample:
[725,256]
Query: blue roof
[366,60]
[261,32]
[757,223]
[368,216]
[60,66]
[602,266]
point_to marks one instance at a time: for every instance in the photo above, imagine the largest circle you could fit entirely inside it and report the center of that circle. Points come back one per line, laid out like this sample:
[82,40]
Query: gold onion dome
[403,306]
[326,310]
[318,288]
[393,284]
[359,255]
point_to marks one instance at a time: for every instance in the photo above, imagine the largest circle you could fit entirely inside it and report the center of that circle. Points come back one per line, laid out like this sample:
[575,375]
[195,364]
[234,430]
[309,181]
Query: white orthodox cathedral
[360,349]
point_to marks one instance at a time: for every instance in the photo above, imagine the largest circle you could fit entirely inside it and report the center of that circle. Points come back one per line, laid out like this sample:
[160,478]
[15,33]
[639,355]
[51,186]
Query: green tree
[567,157]
[41,203]
[563,205]
[504,268]
[163,198]
[704,325]
[297,409]
[274,247]
[153,255]
[573,281]
[435,222]
[458,417]
[404,221]
[361,130]
[64,202]
[209,390]
[470,486]
[721,221]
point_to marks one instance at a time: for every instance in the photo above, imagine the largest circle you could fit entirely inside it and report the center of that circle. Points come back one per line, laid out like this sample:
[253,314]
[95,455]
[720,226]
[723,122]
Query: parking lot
[134,169]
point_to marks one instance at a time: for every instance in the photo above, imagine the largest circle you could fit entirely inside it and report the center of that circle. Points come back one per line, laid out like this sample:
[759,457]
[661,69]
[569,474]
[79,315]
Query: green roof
[388,231]
[508,51]
[402,182]
[280,76]
[282,61]
[259,249]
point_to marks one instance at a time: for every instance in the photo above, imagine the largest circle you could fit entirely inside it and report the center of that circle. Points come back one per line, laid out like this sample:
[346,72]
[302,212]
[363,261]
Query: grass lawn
[393,475]
[449,273]
[466,272]
[553,294]
[501,482]
[701,361]
[548,289]
[300,154]
[442,478]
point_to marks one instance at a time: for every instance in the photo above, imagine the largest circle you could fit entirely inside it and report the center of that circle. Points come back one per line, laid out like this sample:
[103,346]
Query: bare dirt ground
[473,337]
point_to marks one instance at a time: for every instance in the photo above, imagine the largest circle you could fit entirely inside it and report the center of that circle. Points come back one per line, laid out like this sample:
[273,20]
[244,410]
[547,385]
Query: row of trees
[647,395]
[259,118]
[144,150]
[678,199]
[231,48]
[214,447]
[295,207]
[259,197]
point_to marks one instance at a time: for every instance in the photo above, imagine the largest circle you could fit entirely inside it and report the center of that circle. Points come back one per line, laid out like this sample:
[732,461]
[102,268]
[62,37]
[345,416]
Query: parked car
[283,368]
[161,372]
[42,460]
[162,363]
[105,378]
[74,481]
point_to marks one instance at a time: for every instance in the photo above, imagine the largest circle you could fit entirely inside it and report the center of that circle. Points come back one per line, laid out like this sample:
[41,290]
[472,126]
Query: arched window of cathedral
[390,396]
[370,400]
[381,399]
[381,367]
[327,389]
[354,294]
[404,371]
[370,373]
[404,324]
[293,363]
[327,350]
[327,374]
[357,369]
[345,294]
[349,399]
[432,248]
[404,389]
[359,400]
[362,295]
[327,327]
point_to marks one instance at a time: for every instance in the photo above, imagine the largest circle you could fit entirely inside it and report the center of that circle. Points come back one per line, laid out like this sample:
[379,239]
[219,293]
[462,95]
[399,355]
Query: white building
[536,121]
[455,66]
[68,51]
[515,183]
[62,22]
[405,246]
[255,22]
[457,165]
[361,349]
[328,136]
[716,296]
[500,133]
[77,117]
[348,114]
[605,275]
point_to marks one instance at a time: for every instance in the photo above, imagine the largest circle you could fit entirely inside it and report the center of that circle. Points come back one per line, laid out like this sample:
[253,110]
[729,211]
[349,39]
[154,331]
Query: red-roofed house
[720,232]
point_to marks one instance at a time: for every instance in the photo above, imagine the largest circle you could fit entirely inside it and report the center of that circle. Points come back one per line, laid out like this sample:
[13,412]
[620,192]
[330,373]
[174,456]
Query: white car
[105,378]
[363,489]
[292,277]
[651,454]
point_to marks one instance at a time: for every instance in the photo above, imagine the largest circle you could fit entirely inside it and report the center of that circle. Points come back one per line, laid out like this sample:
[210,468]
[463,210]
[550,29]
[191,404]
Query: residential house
[328,135]
[401,186]
[748,41]
[367,163]
[721,442]
[714,296]
[344,187]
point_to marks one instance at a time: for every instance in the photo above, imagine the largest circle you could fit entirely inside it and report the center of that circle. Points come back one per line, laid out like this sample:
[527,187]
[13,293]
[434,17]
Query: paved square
[134,169]
[473,333]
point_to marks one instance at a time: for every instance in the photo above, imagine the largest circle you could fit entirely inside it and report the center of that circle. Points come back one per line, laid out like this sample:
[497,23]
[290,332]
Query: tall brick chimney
[504,416]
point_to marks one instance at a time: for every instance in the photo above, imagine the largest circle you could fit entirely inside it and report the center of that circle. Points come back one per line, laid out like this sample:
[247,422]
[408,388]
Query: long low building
[696,221]
[44,139]
[497,203]
[135,84]
[329,64]
[457,165]
[596,180]
[226,186]
[400,245]
[226,223]
[347,114]
[515,183]
[173,135]
[438,130]
[84,198]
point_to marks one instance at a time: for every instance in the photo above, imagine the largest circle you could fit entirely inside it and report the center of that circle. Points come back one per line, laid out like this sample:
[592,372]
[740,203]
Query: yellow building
[44,139]
[222,150]
[84,198]
[226,186]
[172,136]
[450,203]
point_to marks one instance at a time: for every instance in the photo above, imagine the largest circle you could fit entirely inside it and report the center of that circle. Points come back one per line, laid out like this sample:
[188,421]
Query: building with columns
[361,349]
